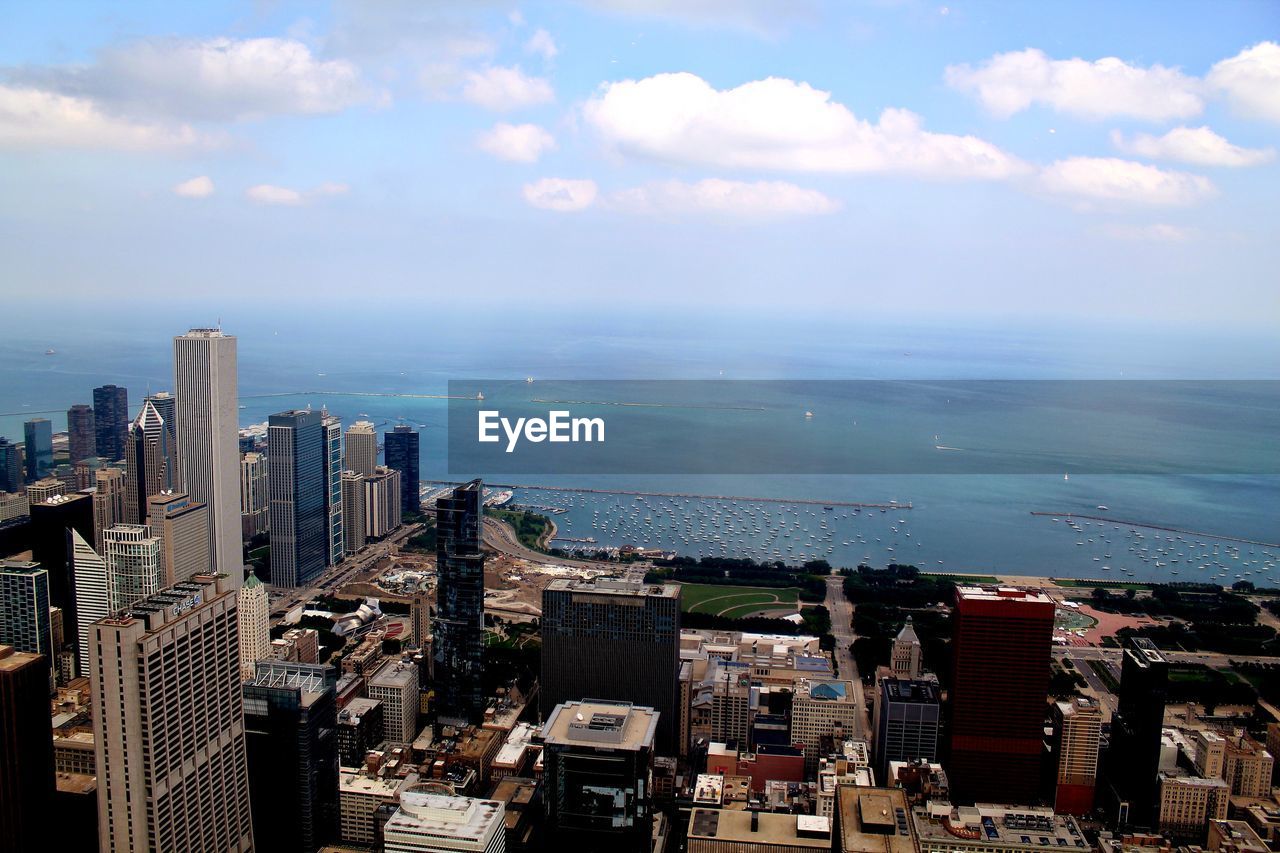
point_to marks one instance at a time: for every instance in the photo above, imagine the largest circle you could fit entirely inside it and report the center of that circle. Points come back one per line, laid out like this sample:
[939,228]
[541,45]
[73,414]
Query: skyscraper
[133,564]
[11,469]
[459,627]
[89,571]
[167,405]
[38,445]
[906,722]
[1077,732]
[111,420]
[255,624]
[1133,758]
[395,685]
[151,463]
[253,494]
[362,448]
[353,501]
[182,526]
[290,717]
[904,660]
[52,522]
[401,452]
[598,759]
[24,609]
[108,502]
[26,752]
[381,502]
[614,640]
[180,781]
[1001,650]
[82,438]
[297,479]
[333,488]
[204,363]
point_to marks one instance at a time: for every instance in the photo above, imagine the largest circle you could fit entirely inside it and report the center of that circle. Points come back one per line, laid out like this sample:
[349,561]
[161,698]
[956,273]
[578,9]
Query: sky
[963,163]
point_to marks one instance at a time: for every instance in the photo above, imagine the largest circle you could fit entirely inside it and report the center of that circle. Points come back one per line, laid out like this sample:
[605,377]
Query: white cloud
[32,118]
[1198,145]
[1113,180]
[561,194]
[522,143]
[1157,233]
[276,195]
[1011,82]
[778,124]
[1250,80]
[213,79]
[761,199]
[201,187]
[515,18]
[542,44]
[502,88]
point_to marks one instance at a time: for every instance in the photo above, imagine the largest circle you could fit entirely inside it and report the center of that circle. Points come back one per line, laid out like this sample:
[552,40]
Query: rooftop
[1002,593]
[874,820]
[591,723]
[454,817]
[988,825]
[761,828]
[825,690]
[394,673]
[610,586]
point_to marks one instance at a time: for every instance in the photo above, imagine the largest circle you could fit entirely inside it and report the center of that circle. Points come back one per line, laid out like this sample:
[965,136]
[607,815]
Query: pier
[1146,526]
[691,496]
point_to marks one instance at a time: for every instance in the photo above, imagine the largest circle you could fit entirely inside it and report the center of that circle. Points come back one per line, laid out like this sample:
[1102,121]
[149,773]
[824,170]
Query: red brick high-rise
[1000,681]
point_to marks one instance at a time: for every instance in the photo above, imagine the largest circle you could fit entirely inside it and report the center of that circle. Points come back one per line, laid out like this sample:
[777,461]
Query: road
[353,567]
[841,611]
[502,538]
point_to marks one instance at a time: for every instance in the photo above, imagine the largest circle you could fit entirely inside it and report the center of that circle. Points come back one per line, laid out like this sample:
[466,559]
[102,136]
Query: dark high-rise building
[401,451]
[10,466]
[359,730]
[51,524]
[37,436]
[459,627]
[27,787]
[297,480]
[1133,759]
[82,440]
[613,640]
[24,608]
[906,722]
[111,420]
[597,762]
[151,463]
[999,687]
[290,720]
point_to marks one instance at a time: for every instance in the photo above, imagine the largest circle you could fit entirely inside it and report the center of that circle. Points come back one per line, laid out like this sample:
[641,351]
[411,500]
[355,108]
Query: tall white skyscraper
[133,564]
[204,369]
[255,624]
[90,571]
[333,487]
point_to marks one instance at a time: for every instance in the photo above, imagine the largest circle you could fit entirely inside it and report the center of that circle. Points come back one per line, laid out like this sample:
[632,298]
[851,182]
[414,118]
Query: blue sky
[957,161]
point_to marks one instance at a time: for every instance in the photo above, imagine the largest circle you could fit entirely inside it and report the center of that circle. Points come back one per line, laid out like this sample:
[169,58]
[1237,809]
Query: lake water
[971,522]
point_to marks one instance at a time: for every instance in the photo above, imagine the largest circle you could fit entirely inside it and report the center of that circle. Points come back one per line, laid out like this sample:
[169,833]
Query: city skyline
[1044,160]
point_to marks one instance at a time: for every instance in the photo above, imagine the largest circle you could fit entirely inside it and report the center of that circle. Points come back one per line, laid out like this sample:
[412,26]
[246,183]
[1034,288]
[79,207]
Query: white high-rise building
[204,369]
[395,685]
[333,487]
[91,593]
[133,564]
[255,624]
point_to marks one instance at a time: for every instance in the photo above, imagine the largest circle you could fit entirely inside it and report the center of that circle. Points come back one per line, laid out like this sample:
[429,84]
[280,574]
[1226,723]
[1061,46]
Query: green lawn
[734,601]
